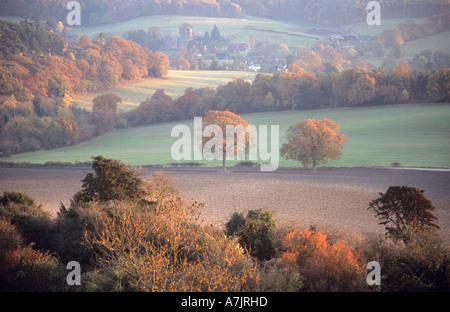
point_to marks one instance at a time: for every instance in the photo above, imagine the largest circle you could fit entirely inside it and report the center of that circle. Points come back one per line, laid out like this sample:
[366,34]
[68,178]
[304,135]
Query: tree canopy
[112,180]
[222,122]
[405,212]
[313,142]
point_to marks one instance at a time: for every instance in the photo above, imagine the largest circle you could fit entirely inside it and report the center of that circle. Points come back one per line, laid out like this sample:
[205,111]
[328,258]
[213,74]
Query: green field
[432,42]
[291,33]
[413,135]
[173,84]
[364,29]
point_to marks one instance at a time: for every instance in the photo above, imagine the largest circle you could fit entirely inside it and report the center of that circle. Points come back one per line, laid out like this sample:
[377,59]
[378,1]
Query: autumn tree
[324,266]
[363,91]
[104,111]
[254,231]
[11,103]
[112,180]
[354,86]
[227,135]
[262,86]
[405,212]
[157,64]
[184,103]
[310,61]
[290,90]
[106,103]
[233,95]
[313,142]
[295,68]
[439,85]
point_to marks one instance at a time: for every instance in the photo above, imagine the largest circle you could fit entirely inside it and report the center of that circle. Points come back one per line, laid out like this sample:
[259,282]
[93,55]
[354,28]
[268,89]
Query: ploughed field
[334,197]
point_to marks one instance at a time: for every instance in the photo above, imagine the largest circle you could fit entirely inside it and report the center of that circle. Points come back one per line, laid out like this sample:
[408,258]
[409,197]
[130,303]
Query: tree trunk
[224,159]
[314,165]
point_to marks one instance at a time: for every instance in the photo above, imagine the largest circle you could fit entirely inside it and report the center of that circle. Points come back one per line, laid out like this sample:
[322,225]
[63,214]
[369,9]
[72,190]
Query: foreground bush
[144,249]
[423,264]
[324,266]
[254,232]
[33,223]
[154,243]
[24,269]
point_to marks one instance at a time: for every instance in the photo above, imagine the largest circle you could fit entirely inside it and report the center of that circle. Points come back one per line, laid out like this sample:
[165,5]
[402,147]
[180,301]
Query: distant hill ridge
[322,11]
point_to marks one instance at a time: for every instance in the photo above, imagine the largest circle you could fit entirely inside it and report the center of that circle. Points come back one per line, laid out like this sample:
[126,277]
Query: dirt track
[337,197]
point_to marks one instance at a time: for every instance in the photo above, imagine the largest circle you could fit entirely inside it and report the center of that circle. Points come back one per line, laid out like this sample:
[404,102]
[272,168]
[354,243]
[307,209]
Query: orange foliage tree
[313,142]
[241,140]
[324,266]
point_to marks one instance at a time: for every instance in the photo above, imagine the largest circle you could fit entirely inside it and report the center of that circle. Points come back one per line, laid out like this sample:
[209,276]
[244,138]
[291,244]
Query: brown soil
[336,197]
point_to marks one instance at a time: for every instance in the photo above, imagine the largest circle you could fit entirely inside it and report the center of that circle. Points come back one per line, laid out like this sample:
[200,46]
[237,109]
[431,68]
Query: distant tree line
[297,91]
[320,11]
[288,91]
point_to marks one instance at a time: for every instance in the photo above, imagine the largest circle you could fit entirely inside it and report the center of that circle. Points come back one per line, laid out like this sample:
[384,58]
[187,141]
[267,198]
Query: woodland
[322,11]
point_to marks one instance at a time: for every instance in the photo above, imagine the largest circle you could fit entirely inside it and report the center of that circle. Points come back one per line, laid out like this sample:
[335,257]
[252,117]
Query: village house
[337,40]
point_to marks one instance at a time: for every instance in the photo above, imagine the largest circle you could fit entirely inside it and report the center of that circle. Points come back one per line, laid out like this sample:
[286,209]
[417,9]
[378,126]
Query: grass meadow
[413,135]
[174,84]
[291,33]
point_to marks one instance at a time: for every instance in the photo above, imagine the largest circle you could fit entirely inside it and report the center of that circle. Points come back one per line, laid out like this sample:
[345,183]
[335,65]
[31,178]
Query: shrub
[246,164]
[9,238]
[254,232]
[154,244]
[31,220]
[421,265]
[18,198]
[26,269]
[164,250]
[69,227]
[279,279]
[324,266]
